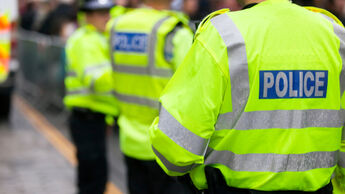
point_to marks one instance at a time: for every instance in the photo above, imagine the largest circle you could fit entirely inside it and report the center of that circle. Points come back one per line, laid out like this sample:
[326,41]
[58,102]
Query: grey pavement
[29,164]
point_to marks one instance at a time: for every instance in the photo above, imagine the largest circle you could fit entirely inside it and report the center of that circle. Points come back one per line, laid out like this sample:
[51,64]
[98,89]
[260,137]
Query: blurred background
[31,96]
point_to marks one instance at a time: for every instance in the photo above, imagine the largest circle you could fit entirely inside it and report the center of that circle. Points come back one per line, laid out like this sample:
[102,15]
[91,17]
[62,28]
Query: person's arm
[190,105]
[339,178]
[89,61]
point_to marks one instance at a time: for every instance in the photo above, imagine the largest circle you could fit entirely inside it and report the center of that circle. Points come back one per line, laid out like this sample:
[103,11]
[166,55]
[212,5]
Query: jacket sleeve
[339,178]
[90,62]
[190,105]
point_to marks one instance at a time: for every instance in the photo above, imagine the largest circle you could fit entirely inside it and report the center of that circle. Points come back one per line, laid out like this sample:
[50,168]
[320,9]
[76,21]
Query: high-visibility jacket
[88,81]
[260,96]
[147,45]
[5,44]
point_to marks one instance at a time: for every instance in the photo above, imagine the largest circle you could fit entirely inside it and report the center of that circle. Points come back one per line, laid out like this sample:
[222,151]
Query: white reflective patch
[268,82]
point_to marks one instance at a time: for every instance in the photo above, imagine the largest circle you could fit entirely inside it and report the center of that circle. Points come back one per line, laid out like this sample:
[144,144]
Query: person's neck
[159,6]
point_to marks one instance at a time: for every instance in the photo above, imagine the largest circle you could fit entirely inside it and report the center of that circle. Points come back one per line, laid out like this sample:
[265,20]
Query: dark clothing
[54,21]
[88,132]
[216,184]
[147,177]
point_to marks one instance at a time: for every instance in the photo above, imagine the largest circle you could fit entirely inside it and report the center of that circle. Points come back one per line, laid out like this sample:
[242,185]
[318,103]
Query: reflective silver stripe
[152,52]
[238,64]
[169,45]
[87,92]
[137,100]
[71,74]
[78,92]
[327,17]
[142,70]
[170,166]
[340,32]
[342,159]
[93,68]
[282,119]
[180,135]
[273,162]
[150,69]
[112,43]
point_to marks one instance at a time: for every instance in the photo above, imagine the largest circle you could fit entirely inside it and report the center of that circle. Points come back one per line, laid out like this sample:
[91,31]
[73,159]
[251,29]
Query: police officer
[89,95]
[257,103]
[147,45]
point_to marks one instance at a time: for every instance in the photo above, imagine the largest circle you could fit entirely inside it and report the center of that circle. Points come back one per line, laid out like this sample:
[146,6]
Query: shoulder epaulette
[207,18]
[326,13]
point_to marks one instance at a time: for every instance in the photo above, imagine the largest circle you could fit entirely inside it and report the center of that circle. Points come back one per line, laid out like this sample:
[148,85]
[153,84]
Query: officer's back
[259,99]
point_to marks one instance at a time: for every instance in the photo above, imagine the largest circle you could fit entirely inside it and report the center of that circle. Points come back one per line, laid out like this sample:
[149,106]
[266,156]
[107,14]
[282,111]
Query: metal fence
[41,73]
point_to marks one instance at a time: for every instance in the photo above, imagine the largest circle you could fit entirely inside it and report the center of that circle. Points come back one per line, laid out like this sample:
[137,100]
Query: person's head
[233,5]
[190,7]
[97,12]
[158,4]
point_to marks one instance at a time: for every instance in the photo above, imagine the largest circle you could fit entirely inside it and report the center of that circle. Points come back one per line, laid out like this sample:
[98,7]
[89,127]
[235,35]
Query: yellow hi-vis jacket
[5,44]
[88,81]
[147,46]
[260,96]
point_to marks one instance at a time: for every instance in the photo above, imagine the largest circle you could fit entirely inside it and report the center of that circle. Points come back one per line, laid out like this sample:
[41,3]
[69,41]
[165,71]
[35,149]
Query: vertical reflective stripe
[112,43]
[238,64]
[180,135]
[151,69]
[170,166]
[137,100]
[342,159]
[282,119]
[152,51]
[169,45]
[340,32]
[273,162]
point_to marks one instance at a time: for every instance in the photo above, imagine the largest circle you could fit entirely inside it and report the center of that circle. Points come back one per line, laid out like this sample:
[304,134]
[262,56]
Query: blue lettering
[131,42]
[293,84]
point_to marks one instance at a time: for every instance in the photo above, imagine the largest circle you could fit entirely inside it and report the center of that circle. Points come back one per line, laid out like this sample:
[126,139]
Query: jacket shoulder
[206,20]
[328,15]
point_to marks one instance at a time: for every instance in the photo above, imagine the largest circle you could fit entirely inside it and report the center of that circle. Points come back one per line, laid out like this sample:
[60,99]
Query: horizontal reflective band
[87,92]
[137,100]
[342,159]
[237,59]
[282,119]
[169,165]
[273,162]
[143,70]
[340,32]
[180,135]
[94,68]
[71,74]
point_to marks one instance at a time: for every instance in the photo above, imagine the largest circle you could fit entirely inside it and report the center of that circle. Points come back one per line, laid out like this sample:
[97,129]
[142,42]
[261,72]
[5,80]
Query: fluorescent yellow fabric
[88,82]
[142,71]
[5,43]
[278,36]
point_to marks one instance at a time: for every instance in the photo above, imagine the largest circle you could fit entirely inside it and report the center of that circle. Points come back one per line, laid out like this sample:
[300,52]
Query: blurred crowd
[59,17]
